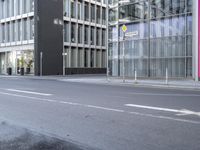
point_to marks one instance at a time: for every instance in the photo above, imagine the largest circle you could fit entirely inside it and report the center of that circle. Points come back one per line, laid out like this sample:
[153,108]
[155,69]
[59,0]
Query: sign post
[64,62]
[124,29]
[41,61]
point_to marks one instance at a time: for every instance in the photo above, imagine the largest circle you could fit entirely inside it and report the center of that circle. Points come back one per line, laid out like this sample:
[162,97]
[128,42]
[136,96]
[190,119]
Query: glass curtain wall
[161,38]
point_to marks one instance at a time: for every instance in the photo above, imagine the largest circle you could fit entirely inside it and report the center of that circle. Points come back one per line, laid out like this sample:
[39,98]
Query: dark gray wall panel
[48,36]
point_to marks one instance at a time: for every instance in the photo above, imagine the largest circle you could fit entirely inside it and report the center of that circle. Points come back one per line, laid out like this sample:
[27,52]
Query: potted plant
[28,66]
[9,71]
[22,62]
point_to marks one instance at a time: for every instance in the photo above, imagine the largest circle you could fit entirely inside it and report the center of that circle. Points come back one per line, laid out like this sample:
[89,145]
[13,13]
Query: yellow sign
[124,28]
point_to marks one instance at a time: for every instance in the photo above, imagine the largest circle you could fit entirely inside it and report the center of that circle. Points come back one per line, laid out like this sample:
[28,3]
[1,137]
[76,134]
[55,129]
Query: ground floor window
[17,62]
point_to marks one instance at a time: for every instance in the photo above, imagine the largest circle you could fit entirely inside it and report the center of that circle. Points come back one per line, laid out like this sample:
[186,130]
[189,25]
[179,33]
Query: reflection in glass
[161,37]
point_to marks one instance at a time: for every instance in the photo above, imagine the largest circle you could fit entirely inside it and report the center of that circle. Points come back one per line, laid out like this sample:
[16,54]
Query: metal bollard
[167,78]
[108,74]
[135,76]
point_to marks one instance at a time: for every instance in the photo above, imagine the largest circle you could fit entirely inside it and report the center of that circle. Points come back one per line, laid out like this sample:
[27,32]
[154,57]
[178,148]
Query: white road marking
[28,92]
[180,112]
[162,94]
[102,108]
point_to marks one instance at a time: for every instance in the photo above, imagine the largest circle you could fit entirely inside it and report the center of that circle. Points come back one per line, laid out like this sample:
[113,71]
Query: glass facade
[158,37]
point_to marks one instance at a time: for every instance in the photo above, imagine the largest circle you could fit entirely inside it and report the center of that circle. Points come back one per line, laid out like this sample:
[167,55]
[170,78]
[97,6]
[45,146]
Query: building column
[196,39]
[6,62]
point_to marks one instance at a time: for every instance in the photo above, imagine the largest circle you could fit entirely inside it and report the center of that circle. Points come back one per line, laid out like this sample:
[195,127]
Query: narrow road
[104,117]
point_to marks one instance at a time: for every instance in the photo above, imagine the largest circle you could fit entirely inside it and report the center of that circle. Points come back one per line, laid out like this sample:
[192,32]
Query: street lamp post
[41,65]
[64,54]
[64,62]
[124,29]
[107,24]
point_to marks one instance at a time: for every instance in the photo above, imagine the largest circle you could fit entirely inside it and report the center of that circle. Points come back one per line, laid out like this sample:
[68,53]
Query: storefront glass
[15,60]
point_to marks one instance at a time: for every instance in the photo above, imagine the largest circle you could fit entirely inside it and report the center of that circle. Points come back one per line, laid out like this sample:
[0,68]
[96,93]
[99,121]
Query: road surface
[104,117]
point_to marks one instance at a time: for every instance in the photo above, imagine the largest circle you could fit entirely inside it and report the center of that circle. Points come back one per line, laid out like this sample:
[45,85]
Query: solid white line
[182,111]
[29,92]
[103,108]
[163,94]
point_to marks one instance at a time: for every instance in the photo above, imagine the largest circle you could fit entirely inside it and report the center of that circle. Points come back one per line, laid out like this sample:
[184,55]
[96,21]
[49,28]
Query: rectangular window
[1,10]
[32,5]
[98,19]
[86,34]
[92,36]
[86,15]
[73,9]
[66,8]
[8,8]
[86,58]
[73,57]
[3,32]
[98,58]
[66,29]
[92,12]
[103,37]
[19,30]
[103,16]
[19,7]
[8,32]
[24,29]
[92,58]
[12,8]
[80,9]
[13,31]
[32,28]
[98,36]
[73,32]
[80,33]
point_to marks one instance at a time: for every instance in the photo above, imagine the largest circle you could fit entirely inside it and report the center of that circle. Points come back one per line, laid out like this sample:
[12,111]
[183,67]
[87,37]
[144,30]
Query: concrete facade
[70,34]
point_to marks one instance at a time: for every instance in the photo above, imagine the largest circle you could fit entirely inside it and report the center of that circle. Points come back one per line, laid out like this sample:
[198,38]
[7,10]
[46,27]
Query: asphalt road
[104,117]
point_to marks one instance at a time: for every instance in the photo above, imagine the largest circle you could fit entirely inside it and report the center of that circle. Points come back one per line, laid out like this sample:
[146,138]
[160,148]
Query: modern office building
[85,36]
[52,37]
[16,33]
[161,38]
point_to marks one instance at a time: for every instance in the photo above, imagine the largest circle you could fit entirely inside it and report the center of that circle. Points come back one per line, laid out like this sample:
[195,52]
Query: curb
[138,84]
[109,82]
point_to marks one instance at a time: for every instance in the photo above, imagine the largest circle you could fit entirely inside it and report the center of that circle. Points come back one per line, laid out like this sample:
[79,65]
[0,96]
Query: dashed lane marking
[101,108]
[29,92]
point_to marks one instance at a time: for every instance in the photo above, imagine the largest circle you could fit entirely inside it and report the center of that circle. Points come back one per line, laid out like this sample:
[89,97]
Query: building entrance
[25,62]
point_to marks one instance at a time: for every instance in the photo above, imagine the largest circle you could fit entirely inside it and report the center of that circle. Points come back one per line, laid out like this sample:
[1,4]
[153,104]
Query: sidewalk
[181,84]
[102,79]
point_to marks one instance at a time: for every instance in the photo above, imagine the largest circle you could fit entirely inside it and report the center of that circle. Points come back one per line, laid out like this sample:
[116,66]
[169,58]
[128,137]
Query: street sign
[124,28]
[131,34]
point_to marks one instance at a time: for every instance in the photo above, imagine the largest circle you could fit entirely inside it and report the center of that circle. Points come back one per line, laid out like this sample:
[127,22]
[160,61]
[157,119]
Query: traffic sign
[131,34]
[124,28]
